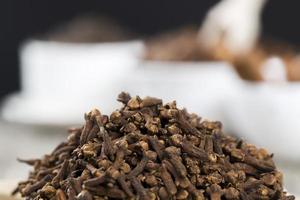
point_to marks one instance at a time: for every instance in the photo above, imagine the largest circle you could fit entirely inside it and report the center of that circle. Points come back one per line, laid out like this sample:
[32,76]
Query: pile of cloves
[147,150]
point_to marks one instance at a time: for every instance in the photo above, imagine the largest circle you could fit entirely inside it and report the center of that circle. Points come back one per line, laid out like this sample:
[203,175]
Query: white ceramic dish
[268,114]
[61,81]
[60,95]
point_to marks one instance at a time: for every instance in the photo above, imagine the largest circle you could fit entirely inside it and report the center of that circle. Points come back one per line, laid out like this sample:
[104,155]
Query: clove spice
[147,151]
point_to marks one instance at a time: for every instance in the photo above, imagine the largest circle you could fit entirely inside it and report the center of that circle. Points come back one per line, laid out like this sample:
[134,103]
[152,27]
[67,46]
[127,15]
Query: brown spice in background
[179,45]
[147,150]
[249,66]
[89,28]
[183,45]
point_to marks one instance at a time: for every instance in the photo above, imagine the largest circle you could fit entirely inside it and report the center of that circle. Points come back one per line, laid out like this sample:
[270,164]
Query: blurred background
[22,20]
[59,59]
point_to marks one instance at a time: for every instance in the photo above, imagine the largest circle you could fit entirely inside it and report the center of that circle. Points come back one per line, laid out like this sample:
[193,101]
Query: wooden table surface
[6,187]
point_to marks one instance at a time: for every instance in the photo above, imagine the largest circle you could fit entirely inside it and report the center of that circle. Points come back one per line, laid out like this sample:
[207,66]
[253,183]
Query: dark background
[20,19]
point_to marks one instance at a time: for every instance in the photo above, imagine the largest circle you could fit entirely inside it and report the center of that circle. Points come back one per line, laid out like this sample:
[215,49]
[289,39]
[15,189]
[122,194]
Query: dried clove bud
[134,103]
[231,193]
[84,195]
[168,181]
[48,192]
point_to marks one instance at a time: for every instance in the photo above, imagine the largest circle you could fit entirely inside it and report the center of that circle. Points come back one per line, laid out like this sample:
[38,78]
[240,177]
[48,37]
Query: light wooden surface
[3,197]
[6,187]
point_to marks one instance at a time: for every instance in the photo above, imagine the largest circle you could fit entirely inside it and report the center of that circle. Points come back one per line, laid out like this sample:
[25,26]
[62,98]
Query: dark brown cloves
[147,150]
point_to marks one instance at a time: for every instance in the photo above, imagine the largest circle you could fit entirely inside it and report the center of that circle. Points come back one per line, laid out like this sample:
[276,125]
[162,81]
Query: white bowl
[268,114]
[61,81]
